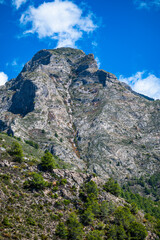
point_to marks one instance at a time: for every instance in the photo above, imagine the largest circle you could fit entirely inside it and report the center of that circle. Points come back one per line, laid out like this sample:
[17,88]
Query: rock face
[83,115]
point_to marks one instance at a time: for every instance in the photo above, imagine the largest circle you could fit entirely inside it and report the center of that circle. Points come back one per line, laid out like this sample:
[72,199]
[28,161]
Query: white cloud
[3,78]
[147,4]
[14,63]
[94,44]
[148,85]
[59,20]
[98,62]
[18,3]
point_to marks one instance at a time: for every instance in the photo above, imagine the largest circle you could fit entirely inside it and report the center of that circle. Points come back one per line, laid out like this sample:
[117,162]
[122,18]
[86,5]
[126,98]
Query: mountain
[83,115]
[40,202]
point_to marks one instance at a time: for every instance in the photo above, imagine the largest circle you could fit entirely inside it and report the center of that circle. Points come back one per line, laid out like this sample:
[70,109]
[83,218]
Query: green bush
[75,228]
[56,135]
[87,217]
[133,208]
[66,202]
[91,189]
[16,152]
[123,217]
[37,182]
[95,235]
[63,181]
[48,162]
[31,221]
[112,187]
[55,196]
[142,203]
[104,210]
[117,233]
[6,221]
[158,227]
[137,231]
[33,144]
[61,231]
[58,204]
[95,208]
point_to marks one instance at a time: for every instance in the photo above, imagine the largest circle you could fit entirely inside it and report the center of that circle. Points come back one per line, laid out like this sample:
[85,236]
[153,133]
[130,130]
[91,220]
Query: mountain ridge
[83,115]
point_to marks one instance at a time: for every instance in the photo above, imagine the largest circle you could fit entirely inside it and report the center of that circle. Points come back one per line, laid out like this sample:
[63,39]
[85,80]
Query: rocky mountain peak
[84,115]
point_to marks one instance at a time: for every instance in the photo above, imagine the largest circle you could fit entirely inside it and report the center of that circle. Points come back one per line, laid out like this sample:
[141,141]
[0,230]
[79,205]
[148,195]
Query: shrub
[55,189]
[91,189]
[56,135]
[123,217]
[112,187]
[48,162]
[133,208]
[31,221]
[33,144]
[37,182]
[117,233]
[93,204]
[95,208]
[66,202]
[158,228]
[16,152]
[6,221]
[58,204]
[55,195]
[75,228]
[63,181]
[137,231]
[104,210]
[95,235]
[121,234]
[61,231]
[87,217]
[54,217]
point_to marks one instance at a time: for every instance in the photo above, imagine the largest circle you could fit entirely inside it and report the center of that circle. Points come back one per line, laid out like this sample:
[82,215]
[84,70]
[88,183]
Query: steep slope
[83,115]
[61,203]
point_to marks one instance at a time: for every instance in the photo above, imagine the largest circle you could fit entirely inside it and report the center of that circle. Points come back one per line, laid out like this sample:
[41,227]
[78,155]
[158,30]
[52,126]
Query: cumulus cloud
[148,85]
[3,78]
[147,4]
[59,20]
[18,3]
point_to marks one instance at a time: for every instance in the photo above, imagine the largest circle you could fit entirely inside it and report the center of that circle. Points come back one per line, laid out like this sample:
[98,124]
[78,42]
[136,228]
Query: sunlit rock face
[83,115]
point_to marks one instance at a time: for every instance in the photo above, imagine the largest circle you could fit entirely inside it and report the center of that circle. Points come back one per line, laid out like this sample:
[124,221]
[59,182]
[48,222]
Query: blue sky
[123,35]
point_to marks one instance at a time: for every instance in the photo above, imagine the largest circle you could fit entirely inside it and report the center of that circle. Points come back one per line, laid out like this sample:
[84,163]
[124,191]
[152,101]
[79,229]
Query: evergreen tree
[88,216]
[61,231]
[16,152]
[48,162]
[137,231]
[75,228]
[95,235]
[112,187]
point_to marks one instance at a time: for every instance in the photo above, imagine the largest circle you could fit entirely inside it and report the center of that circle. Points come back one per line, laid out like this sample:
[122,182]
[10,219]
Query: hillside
[40,202]
[83,115]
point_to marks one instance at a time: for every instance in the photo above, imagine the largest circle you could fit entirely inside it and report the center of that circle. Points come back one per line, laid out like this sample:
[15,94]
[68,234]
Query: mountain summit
[84,115]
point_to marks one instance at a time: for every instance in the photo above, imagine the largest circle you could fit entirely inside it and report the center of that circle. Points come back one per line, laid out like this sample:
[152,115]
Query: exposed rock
[83,115]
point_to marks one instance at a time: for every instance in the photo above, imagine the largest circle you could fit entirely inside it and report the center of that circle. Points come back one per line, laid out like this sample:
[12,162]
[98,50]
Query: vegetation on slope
[36,203]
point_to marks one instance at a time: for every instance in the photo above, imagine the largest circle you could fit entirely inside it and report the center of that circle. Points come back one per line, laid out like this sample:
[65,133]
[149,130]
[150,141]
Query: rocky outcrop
[83,115]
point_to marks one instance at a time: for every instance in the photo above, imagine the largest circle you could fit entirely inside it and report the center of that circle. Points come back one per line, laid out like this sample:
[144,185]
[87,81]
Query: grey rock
[2,149]
[103,126]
